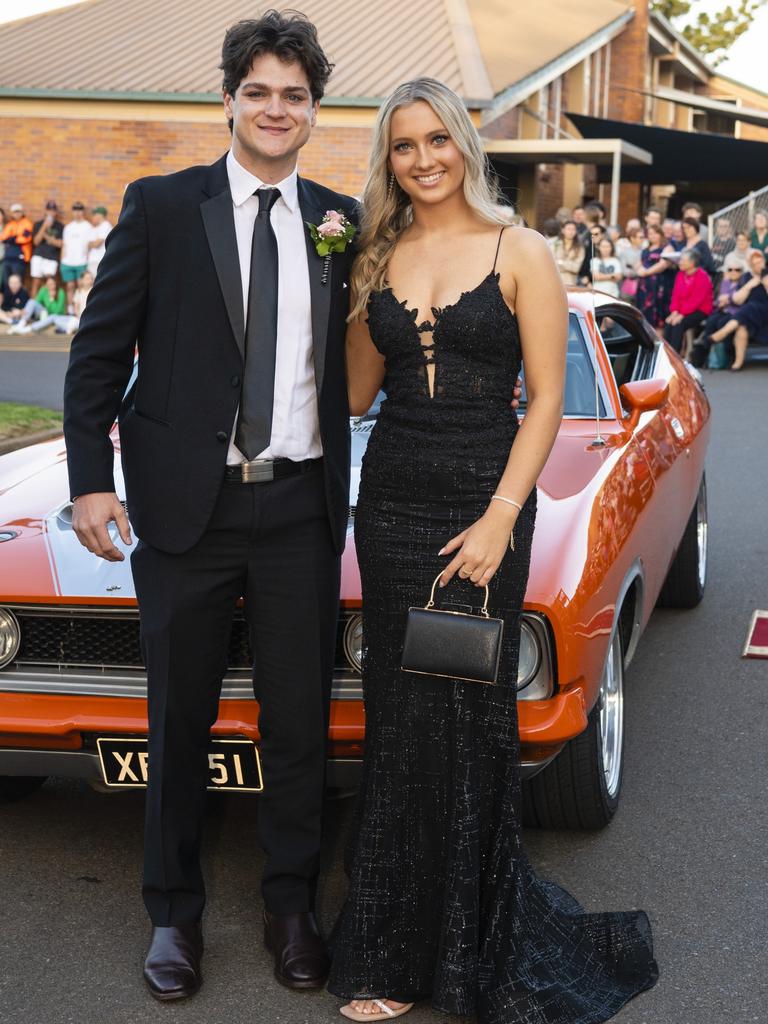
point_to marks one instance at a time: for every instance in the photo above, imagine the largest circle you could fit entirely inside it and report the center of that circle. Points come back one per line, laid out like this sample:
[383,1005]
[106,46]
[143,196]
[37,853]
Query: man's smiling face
[272,116]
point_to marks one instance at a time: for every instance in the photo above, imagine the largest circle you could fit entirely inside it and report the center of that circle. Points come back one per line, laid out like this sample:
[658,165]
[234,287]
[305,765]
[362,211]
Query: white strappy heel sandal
[387,1013]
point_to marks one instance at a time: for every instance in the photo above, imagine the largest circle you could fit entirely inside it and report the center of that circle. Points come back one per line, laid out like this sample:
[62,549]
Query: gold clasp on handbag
[431,602]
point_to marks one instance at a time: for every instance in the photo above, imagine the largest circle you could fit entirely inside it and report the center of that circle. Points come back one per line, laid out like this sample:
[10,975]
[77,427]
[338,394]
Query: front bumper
[53,733]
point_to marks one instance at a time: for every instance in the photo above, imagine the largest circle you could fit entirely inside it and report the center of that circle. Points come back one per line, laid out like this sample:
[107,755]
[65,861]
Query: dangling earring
[390,185]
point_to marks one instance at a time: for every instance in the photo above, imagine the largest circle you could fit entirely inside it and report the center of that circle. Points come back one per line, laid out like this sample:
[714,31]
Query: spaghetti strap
[498,246]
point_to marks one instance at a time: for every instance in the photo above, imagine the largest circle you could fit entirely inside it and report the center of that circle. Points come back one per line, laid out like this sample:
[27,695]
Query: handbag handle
[431,602]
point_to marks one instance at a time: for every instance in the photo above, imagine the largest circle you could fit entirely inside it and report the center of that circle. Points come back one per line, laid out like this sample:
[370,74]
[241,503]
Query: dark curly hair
[289,35]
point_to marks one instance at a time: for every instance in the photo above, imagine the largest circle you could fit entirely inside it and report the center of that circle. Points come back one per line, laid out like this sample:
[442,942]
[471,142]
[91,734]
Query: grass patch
[18,420]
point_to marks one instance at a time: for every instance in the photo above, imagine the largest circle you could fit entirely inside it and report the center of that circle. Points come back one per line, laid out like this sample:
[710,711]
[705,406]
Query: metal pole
[615,184]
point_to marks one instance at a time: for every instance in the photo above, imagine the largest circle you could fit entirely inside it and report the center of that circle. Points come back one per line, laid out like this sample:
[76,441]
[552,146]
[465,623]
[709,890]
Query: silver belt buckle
[258,471]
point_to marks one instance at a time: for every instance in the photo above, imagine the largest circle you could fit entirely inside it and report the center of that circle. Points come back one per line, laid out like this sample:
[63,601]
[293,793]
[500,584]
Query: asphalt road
[32,369]
[688,844]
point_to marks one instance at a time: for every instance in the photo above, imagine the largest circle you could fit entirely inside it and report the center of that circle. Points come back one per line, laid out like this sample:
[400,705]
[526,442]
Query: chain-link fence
[741,214]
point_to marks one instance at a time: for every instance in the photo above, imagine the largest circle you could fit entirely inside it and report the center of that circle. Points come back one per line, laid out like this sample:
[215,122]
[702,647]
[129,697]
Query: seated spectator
[15,298]
[631,258]
[691,301]
[725,309]
[722,243]
[100,228]
[606,268]
[51,300]
[758,238]
[750,322]
[695,243]
[656,276]
[17,235]
[74,252]
[66,323]
[743,248]
[694,210]
[568,252]
[46,242]
[2,244]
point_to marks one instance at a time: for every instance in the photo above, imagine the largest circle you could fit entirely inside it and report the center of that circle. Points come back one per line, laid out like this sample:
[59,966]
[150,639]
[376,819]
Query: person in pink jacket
[691,299]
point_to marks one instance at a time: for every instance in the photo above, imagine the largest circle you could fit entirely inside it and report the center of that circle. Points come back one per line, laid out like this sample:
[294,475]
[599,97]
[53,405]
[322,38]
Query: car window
[579,397]
[630,352]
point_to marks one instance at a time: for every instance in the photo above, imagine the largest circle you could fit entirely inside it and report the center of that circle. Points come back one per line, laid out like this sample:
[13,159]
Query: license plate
[233,764]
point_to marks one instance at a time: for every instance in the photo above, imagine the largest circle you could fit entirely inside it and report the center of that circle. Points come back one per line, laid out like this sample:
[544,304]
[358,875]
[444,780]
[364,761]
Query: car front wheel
[580,788]
[16,787]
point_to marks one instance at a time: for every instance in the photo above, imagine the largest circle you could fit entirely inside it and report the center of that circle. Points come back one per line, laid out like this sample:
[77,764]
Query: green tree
[712,34]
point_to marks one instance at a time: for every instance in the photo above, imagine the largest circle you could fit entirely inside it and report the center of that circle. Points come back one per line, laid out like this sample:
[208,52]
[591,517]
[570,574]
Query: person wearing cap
[74,251]
[725,308]
[17,236]
[100,228]
[47,241]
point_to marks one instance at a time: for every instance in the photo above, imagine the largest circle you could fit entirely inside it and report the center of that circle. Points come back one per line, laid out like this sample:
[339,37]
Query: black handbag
[455,645]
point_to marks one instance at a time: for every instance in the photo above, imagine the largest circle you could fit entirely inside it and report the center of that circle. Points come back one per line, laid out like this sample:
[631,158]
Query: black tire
[17,787]
[571,792]
[687,576]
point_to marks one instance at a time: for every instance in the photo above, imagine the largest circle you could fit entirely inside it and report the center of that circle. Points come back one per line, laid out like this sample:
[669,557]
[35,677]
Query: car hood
[44,561]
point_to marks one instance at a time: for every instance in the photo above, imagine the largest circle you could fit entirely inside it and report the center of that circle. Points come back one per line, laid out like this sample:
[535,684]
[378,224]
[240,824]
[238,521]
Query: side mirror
[642,396]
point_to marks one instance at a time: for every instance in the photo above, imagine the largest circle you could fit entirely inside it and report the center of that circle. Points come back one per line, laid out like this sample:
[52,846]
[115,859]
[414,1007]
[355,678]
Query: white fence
[741,214]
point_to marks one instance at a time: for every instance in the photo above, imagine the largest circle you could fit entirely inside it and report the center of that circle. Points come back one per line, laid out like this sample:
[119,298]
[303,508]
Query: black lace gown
[442,903]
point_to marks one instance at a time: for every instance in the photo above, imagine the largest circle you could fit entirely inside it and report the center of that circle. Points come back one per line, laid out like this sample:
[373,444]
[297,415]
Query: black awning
[680,156]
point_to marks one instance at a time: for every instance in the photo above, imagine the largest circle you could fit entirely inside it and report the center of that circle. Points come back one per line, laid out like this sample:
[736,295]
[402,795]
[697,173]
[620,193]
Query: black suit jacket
[169,283]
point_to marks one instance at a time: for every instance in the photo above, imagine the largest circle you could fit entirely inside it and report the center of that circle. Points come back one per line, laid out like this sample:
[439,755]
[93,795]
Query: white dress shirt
[295,419]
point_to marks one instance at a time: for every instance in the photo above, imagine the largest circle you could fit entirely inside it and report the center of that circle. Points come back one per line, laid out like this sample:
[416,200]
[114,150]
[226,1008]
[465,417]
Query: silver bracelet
[509,501]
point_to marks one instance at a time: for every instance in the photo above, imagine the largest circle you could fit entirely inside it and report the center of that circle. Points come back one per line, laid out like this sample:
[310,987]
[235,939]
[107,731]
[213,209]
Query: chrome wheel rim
[612,716]
[701,532]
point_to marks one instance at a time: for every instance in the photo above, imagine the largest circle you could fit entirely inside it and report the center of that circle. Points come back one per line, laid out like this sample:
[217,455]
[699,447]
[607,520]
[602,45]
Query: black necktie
[254,421]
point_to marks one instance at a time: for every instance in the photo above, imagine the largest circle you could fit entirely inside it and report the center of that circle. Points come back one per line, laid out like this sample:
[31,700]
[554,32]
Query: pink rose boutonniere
[332,234]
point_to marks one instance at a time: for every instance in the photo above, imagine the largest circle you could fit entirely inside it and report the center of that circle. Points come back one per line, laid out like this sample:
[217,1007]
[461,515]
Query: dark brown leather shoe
[301,959]
[172,967]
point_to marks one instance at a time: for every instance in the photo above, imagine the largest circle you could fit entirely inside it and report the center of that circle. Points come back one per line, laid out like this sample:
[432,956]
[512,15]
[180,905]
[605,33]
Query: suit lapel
[320,294]
[219,223]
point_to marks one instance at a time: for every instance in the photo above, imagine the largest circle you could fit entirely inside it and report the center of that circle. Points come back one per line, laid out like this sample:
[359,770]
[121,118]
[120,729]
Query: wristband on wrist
[509,501]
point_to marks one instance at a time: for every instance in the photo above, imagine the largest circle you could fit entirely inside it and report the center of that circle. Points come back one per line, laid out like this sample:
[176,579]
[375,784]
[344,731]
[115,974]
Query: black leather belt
[262,471]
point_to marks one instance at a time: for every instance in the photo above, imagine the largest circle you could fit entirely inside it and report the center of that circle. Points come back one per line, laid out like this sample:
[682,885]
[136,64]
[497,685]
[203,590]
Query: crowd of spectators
[47,266]
[709,297]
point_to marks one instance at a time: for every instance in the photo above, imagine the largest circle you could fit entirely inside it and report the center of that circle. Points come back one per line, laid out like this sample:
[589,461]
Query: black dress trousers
[271,544]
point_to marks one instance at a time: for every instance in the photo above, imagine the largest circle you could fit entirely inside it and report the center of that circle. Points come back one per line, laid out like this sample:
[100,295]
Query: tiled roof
[172,48]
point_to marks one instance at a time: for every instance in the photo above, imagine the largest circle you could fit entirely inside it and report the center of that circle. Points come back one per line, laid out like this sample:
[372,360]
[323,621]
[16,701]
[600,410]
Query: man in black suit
[235,451]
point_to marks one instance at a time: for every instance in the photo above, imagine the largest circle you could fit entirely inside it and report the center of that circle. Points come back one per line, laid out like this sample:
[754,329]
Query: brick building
[555,89]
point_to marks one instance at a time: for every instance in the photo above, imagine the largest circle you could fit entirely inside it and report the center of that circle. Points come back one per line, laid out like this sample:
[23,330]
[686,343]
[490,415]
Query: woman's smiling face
[426,161]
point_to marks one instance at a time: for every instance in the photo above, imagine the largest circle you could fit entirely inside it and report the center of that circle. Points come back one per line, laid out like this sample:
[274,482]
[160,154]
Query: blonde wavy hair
[387,212]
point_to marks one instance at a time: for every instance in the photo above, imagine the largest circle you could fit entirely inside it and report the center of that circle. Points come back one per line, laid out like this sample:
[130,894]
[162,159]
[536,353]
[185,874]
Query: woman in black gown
[442,903]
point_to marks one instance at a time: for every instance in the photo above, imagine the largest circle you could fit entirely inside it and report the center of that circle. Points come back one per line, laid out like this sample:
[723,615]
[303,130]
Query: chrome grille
[109,639]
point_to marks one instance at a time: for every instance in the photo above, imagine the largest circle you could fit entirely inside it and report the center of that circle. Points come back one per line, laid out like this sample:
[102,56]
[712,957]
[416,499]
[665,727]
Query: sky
[746,62]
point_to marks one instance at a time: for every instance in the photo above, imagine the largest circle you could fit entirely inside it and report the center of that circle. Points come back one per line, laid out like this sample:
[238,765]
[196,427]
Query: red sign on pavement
[757,636]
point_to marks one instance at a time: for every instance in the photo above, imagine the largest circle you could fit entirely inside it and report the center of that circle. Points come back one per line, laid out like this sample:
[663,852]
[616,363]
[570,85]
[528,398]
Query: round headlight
[530,656]
[353,641]
[10,637]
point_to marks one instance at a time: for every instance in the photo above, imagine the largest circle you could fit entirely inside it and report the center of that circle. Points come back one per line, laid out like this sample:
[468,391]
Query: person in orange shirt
[17,235]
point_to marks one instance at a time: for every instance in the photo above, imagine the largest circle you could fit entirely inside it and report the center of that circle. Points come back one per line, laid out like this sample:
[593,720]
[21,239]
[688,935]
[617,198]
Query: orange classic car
[622,526]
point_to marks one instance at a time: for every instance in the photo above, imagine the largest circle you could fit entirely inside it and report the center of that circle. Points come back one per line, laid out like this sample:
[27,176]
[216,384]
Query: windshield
[579,399]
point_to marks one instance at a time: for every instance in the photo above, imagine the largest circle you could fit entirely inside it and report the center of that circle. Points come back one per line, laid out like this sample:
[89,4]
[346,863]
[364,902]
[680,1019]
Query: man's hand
[517,390]
[90,515]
